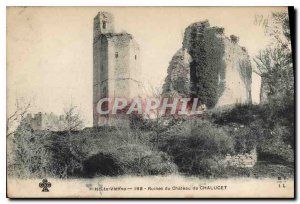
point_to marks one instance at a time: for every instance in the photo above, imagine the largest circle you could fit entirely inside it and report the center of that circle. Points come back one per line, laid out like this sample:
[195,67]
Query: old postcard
[150,102]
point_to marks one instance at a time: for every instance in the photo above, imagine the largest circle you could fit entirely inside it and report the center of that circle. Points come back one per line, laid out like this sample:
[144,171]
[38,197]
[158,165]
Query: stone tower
[116,64]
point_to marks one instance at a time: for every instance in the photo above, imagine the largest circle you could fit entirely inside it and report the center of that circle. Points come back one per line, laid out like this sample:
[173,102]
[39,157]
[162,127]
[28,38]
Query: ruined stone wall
[35,122]
[220,70]
[177,82]
[238,74]
[45,121]
[241,160]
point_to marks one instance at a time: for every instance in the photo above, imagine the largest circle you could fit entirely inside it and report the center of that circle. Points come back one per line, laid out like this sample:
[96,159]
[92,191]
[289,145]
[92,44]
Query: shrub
[26,148]
[159,163]
[248,137]
[129,150]
[242,114]
[274,149]
[87,153]
[268,127]
[197,147]
[267,169]
[101,165]
[137,159]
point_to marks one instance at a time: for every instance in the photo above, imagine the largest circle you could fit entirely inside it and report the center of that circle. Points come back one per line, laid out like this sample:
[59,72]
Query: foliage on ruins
[207,65]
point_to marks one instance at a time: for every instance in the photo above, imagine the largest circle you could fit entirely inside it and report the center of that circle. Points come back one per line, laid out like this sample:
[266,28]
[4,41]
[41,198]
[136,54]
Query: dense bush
[26,147]
[101,165]
[241,114]
[197,147]
[267,127]
[274,149]
[141,160]
[44,154]
[192,147]
[87,153]
[246,137]
[268,169]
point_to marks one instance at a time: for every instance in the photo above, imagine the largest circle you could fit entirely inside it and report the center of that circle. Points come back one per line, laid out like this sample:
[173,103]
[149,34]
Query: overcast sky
[49,50]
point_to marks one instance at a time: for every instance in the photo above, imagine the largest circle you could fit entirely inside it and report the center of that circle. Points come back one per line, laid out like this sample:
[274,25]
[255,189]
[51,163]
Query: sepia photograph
[150,102]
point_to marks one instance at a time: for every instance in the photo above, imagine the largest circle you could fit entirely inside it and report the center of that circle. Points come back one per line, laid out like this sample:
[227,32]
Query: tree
[156,121]
[274,64]
[13,123]
[22,107]
[73,119]
[73,122]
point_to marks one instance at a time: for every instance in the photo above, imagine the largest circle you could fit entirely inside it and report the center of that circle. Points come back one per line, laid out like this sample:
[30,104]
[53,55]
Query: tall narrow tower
[116,66]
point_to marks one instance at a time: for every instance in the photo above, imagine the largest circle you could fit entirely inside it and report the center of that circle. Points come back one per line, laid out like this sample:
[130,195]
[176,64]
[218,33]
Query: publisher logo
[45,185]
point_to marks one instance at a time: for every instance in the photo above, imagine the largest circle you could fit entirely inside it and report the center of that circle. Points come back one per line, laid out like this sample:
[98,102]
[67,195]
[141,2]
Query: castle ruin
[116,65]
[45,121]
[210,66]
